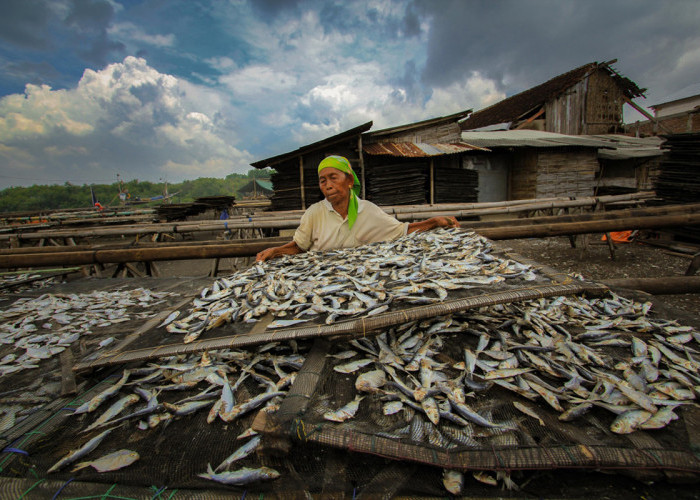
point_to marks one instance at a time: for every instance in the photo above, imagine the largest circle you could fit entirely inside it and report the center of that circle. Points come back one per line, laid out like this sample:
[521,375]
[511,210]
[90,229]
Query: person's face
[335,184]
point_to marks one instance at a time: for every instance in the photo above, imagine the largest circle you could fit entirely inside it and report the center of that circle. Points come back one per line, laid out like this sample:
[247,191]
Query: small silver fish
[346,412]
[80,452]
[240,453]
[113,461]
[242,476]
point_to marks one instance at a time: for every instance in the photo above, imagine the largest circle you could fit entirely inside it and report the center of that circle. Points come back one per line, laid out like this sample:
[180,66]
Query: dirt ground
[592,260]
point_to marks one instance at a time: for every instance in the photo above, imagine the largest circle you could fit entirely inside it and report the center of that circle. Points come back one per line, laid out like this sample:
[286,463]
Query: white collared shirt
[322,228]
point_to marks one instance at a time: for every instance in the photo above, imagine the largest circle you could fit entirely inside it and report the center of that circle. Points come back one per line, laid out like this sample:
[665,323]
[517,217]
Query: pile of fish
[569,354]
[26,282]
[225,384]
[419,268]
[33,329]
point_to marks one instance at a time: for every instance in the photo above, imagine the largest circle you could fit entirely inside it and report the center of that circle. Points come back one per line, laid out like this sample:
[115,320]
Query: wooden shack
[586,100]
[533,164]
[416,163]
[295,181]
[420,163]
[631,164]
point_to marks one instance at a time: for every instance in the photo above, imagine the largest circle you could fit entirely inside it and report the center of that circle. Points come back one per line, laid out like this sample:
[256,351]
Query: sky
[96,90]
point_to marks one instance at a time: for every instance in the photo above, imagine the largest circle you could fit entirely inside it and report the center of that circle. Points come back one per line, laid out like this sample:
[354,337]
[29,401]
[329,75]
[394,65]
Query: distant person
[342,219]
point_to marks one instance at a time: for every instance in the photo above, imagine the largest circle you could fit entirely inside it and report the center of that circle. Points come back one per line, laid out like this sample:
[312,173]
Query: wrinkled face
[335,184]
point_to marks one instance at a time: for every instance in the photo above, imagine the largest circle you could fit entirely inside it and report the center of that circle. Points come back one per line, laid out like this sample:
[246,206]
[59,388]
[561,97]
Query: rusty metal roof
[418,149]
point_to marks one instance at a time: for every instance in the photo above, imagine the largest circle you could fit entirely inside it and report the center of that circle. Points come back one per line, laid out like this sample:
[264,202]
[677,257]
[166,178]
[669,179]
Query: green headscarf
[342,164]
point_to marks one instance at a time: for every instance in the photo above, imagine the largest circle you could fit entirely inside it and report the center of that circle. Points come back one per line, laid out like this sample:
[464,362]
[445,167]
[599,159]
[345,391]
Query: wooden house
[585,101]
[526,164]
[411,164]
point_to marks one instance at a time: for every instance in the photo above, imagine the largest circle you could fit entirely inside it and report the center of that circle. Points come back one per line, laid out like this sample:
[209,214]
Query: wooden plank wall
[523,175]
[566,173]
[565,114]
[604,103]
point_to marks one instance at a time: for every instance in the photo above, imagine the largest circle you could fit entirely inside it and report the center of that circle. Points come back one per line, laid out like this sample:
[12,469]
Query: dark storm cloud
[88,20]
[36,30]
[521,44]
[30,72]
[344,18]
[23,23]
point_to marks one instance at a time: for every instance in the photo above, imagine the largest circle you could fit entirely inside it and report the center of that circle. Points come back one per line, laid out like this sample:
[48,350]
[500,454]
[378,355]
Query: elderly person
[342,219]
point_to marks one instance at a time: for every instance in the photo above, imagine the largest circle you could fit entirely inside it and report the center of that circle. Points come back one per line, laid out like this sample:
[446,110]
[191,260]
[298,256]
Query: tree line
[52,197]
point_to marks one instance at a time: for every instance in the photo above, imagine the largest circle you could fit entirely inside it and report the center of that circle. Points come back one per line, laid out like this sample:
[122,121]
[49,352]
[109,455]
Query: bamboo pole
[256,222]
[122,256]
[668,285]
[351,327]
[596,226]
[119,246]
[252,247]
[616,214]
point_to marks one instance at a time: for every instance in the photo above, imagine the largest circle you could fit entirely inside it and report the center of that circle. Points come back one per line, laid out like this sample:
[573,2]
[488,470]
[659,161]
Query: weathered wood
[694,265]
[363,325]
[598,226]
[668,285]
[124,256]
[588,216]
[292,220]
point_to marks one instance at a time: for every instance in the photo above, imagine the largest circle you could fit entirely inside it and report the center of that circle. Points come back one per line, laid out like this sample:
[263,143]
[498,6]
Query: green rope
[29,434]
[32,487]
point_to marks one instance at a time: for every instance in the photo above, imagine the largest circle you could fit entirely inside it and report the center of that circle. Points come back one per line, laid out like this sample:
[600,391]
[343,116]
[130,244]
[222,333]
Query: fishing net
[376,452]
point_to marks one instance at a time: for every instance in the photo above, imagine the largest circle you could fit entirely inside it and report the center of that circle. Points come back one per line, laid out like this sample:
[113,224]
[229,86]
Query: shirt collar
[329,207]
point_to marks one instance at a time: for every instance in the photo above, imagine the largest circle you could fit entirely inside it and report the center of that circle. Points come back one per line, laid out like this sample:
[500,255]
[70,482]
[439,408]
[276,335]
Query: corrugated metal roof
[530,138]
[626,147]
[418,149]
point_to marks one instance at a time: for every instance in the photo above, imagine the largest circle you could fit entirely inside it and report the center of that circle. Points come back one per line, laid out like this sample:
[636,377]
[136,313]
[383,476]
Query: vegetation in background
[50,197]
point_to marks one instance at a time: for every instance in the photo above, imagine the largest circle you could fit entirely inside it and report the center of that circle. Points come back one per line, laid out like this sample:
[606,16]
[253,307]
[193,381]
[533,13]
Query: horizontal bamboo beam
[350,327]
[139,254]
[133,246]
[668,285]
[588,216]
[596,226]
[197,251]
[290,220]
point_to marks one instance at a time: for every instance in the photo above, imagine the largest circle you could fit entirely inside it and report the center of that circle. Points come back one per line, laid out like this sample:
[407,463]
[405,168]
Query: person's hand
[448,221]
[266,254]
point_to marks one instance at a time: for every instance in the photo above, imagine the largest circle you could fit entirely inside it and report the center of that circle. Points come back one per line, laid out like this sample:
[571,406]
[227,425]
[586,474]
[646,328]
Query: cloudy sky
[180,89]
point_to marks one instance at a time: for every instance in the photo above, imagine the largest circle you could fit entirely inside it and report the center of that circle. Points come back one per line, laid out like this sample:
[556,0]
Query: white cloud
[129,33]
[127,118]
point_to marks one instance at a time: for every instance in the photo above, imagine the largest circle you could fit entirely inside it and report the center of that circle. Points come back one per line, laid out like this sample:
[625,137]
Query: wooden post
[301,182]
[694,265]
[362,165]
[214,268]
[432,181]
[611,245]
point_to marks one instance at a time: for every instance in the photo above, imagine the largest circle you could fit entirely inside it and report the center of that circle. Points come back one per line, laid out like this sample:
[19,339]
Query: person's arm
[432,223]
[290,248]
